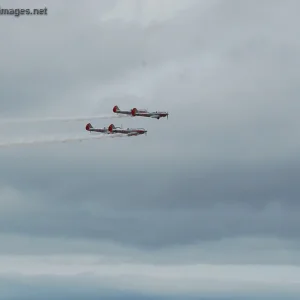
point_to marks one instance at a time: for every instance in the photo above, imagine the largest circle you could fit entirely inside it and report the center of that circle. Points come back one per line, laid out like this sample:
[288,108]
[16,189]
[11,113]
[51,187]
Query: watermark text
[17,12]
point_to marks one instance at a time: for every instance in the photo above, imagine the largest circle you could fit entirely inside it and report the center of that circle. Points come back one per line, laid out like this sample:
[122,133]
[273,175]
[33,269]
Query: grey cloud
[145,279]
[223,167]
[72,52]
[83,286]
[235,251]
[52,287]
[140,211]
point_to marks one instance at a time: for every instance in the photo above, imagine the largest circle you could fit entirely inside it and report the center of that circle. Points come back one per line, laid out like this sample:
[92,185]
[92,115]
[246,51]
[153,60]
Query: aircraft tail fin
[88,126]
[111,127]
[134,111]
[116,109]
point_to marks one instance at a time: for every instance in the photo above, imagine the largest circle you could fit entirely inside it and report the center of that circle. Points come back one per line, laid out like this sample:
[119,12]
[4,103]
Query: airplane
[129,131]
[117,110]
[144,113]
[141,113]
[90,128]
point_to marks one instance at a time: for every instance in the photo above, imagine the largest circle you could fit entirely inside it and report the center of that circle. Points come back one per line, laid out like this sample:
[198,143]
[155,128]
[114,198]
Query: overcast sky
[206,205]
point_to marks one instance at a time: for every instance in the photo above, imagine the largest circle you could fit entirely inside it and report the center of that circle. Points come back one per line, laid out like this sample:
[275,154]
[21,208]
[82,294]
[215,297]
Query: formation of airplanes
[113,129]
[134,112]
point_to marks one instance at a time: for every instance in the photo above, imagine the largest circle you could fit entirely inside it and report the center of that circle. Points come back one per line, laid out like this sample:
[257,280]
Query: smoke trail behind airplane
[63,119]
[59,140]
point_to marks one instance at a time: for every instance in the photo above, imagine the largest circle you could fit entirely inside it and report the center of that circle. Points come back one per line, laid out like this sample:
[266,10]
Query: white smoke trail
[62,140]
[63,119]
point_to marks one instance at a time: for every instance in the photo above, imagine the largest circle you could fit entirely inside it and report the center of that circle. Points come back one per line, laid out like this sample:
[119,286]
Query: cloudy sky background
[205,205]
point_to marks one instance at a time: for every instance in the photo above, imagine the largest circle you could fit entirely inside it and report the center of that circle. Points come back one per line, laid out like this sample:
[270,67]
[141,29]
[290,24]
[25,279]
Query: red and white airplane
[111,129]
[117,110]
[90,128]
[141,113]
[129,131]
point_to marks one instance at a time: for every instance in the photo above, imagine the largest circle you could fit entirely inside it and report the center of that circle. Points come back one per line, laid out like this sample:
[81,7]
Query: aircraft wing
[133,133]
[154,116]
